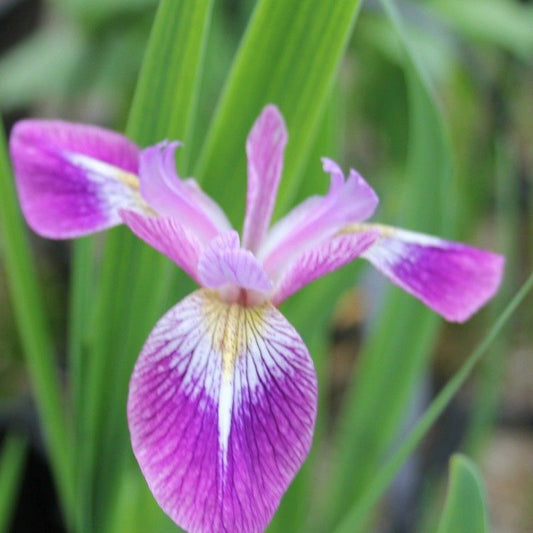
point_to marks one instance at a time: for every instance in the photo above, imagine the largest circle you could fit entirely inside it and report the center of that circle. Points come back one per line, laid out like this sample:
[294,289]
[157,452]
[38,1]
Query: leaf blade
[299,82]
[362,442]
[465,507]
[34,333]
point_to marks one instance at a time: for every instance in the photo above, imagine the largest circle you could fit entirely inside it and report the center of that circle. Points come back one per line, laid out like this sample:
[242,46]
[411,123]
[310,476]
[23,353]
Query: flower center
[234,324]
[233,294]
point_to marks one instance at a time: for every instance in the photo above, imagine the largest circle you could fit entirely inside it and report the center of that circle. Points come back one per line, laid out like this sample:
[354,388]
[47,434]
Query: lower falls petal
[221,410]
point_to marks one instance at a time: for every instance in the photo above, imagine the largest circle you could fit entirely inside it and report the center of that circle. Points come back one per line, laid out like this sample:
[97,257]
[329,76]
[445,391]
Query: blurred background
[79,60]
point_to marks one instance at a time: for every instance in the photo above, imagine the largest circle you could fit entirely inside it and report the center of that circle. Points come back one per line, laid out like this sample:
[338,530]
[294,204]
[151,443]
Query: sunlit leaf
[289,56]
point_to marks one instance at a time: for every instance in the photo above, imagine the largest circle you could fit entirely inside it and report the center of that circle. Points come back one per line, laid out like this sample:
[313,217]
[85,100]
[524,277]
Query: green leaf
[396,353]
[465,508]
[355,519]
[12,461]
[165,100]
[308,41]
[289,56]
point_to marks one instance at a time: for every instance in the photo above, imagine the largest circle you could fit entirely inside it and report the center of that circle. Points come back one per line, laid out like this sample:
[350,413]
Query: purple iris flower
[222,400]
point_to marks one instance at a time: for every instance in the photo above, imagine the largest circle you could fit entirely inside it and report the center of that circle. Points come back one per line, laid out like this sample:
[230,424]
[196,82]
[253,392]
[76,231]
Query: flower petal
[73,178]
[183,200]
[317,219]
[264,148]
[224,262]
[167,236]
[220,422]
[320,260]
[453,279]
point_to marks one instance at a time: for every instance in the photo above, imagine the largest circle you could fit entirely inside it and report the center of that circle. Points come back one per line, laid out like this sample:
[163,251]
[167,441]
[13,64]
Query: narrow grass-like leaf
[289,56]
[11,467]
[396,351]
[465,510]
[34,333]
[134,278]
[81,285]
[165,99]
[354,520]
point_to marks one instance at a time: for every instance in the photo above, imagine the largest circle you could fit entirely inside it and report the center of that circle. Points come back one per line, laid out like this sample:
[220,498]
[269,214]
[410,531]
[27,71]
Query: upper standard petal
[221,410]
[72,178]
[317,219]
[182,200]
[168,236]
[264,148]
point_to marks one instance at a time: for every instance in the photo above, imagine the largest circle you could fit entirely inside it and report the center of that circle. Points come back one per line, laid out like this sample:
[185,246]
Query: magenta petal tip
[453,279]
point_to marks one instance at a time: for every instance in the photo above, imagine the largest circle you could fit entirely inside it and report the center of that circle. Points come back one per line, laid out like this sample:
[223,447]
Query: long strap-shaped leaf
[355,518]
[12,459]
[164,104]
[34,333]
[397,350]
[134,279]
[289,56]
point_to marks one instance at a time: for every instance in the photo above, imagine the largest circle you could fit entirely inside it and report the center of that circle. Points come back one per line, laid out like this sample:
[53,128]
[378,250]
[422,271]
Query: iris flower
[222,401]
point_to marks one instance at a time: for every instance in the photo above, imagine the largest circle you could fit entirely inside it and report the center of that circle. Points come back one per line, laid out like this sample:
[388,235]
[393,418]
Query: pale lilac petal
[223,262]
[220,423]
[317,219]
[168,236]
[72,178]
[320,260]
[264,148]
[453,279]
[183,200]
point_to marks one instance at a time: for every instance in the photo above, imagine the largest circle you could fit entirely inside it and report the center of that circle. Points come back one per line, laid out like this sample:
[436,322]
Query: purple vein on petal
[264,148]
[72,178]
[221,411]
